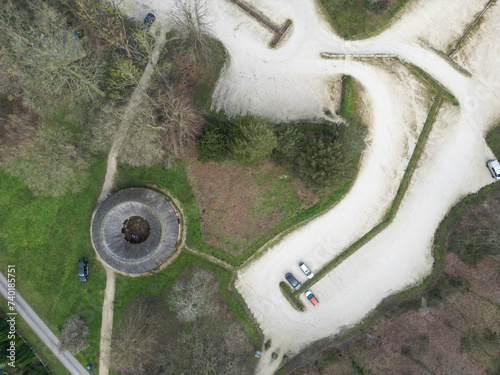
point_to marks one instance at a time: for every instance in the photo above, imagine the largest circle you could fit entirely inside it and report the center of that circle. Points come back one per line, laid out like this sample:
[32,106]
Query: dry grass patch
[238,204]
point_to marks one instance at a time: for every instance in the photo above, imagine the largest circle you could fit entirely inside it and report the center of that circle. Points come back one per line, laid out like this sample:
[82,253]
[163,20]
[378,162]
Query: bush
[74,336]
[252,139]
[212,145]
[290,142]
[321,160]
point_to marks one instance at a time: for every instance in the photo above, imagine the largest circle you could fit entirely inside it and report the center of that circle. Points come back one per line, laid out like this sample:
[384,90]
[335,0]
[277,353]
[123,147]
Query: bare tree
[200,350]
[191,18]
[165,125]
[74,335]
[137,337]
[235,340]
[180,122]
[105,19]
[36,44]
[123,74]
[194,298]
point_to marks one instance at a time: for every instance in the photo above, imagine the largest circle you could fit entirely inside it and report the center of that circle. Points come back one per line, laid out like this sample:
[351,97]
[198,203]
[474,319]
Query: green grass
[357,19]
[176,182]
[37,346]
[493,140]
[288,294]
[127,288]
[431,83]
[44,238]
[349,98]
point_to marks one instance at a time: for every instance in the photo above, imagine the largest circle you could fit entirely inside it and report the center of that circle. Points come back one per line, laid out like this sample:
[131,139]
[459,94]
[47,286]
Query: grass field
[357,19]
[44,238]
[349,97]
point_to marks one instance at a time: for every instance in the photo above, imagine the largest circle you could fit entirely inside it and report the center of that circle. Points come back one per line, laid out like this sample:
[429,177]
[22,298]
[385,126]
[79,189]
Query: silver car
[494,167]
[306,270]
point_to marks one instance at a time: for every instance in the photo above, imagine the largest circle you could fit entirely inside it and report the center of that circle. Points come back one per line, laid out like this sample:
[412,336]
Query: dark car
[310,296]
[293,281]
[148,21]
[83,270]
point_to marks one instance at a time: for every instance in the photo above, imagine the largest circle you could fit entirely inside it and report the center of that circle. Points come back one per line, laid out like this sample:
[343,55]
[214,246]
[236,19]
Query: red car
[310,297]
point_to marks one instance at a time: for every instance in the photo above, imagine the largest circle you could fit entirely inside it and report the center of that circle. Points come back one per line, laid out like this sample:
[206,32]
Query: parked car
[306,270]
[494,167]
[310,297]
[148,21]
[293,281]
[83,270]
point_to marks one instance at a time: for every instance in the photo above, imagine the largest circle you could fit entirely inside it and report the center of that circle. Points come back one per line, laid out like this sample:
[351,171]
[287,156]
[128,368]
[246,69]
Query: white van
[494,167]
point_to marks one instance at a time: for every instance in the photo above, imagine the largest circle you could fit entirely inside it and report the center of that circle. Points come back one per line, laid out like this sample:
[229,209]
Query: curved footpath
[42,331]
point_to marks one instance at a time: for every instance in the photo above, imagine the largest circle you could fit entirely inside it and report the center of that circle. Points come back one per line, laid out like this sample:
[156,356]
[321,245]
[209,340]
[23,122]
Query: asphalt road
[42,331]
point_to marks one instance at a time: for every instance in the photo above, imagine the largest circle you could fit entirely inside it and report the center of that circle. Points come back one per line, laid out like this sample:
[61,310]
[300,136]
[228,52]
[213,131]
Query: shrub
[74,335]
[289,143]
[252,139]
[212,145]
[321,160]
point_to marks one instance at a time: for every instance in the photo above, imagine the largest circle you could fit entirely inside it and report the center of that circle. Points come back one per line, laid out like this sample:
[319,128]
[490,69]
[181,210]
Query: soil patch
[239,204]
[135,229]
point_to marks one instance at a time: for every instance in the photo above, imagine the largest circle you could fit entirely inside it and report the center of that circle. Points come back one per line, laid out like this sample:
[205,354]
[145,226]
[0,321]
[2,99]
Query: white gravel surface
[292,82]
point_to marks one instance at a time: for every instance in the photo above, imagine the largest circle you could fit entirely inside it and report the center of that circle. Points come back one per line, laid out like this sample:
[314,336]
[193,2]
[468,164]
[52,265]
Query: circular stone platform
[108,224]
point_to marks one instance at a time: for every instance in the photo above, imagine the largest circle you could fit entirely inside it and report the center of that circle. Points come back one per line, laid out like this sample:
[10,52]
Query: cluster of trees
[180,332]
[53,85]
[321,155]
[25,359]
[62,96]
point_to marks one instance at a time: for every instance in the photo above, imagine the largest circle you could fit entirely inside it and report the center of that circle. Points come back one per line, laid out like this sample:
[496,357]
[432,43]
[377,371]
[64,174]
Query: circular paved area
[112,246]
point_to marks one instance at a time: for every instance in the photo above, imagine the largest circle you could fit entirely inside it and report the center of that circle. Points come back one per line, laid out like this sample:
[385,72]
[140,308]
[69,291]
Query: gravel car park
[310,296]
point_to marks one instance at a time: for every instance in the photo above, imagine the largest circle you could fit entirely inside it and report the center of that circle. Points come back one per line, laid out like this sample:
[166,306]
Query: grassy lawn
[357,19]
[349,98]
[493,140]
[44,238]
[159,283]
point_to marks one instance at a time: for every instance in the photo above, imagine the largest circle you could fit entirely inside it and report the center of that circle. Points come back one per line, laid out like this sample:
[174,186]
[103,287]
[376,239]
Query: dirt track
[292,83]
[109,293]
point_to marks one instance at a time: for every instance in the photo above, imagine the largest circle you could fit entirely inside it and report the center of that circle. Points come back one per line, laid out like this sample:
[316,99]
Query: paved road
[42,331]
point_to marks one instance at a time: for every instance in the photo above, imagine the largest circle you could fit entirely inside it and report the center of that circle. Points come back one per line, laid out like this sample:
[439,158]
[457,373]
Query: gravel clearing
[292,82]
